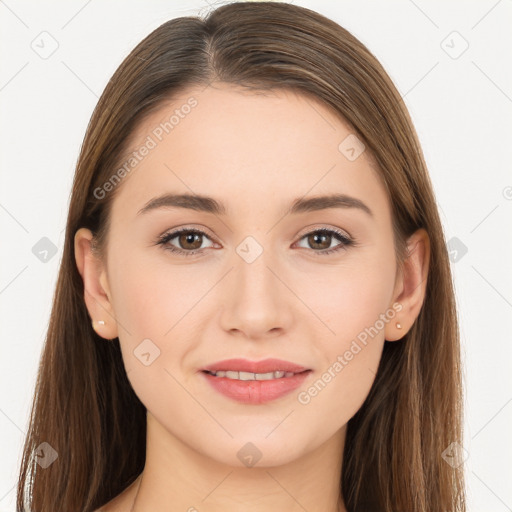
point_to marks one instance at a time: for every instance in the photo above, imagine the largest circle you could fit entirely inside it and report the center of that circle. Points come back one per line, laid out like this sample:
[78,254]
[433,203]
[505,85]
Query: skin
[255,153]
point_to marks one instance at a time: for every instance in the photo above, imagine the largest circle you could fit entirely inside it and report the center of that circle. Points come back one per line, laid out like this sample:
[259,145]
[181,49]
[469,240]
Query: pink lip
[255,392]
[265,366]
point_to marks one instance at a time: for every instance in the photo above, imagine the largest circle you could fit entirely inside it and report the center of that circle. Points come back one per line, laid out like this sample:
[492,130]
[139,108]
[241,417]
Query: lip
[256,392]
[265,366]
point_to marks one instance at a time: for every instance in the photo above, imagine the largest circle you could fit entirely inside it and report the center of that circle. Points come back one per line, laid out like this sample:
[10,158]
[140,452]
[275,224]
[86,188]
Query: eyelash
[339,235]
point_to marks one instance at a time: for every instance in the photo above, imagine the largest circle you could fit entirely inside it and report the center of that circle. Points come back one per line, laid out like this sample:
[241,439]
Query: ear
[96,291]
[410,286]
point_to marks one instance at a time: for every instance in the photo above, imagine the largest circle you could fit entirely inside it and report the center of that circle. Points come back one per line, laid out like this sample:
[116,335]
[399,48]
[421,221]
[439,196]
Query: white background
[461,108]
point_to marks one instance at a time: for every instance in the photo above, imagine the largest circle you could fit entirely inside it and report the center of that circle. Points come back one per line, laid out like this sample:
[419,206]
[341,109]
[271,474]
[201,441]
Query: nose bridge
[256,303]
[253,257]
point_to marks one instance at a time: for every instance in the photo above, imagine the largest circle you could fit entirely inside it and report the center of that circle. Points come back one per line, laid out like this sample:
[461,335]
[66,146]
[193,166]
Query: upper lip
[265,366]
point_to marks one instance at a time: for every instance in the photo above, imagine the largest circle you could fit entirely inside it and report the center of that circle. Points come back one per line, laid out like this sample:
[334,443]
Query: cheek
[156,307]
[150,295]
[350,297]
[353,304]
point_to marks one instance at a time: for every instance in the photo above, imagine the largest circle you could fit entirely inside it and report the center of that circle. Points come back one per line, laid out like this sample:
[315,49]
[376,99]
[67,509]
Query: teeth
[252,376]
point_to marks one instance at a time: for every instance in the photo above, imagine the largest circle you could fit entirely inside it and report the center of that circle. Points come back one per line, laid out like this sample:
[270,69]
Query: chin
[256,450]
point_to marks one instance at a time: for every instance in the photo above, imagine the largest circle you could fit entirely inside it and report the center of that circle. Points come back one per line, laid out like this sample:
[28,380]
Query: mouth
[255,383]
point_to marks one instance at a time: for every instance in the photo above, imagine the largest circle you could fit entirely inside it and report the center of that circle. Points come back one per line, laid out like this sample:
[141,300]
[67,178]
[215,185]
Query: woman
[254,305]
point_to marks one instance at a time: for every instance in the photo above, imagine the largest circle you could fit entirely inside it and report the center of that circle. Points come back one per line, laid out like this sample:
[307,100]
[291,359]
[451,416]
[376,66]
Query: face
[252,280]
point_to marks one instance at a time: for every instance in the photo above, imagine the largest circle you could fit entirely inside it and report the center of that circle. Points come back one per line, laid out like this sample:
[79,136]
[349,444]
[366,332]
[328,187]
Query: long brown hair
[84,406]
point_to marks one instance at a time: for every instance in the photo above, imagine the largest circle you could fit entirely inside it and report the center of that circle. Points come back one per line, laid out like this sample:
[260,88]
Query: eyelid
[176,231]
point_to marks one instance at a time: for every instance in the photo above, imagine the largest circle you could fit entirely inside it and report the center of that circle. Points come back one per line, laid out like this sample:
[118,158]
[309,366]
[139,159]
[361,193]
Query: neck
[176,474]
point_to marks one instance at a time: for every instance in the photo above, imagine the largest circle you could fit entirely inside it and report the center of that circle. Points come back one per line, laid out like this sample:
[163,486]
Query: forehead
[235,144]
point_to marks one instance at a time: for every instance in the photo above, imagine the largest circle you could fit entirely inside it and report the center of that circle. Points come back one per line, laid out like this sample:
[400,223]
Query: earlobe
[96,291]
[395,329]
[413,285]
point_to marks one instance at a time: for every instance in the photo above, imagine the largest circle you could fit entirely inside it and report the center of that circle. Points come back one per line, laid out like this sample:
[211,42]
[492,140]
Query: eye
[190,241]
[322,239]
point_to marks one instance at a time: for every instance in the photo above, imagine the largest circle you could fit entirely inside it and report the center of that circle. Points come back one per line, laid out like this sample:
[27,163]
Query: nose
[257,302]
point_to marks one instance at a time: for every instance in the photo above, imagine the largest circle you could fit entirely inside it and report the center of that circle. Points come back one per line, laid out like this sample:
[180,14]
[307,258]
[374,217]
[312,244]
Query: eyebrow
[211,205]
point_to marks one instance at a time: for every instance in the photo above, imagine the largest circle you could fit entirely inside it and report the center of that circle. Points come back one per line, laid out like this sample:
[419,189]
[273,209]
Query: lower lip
[256,391]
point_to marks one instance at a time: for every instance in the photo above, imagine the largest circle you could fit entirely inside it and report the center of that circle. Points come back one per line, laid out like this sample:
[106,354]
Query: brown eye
[190,240]
[320,241]
[188,243]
